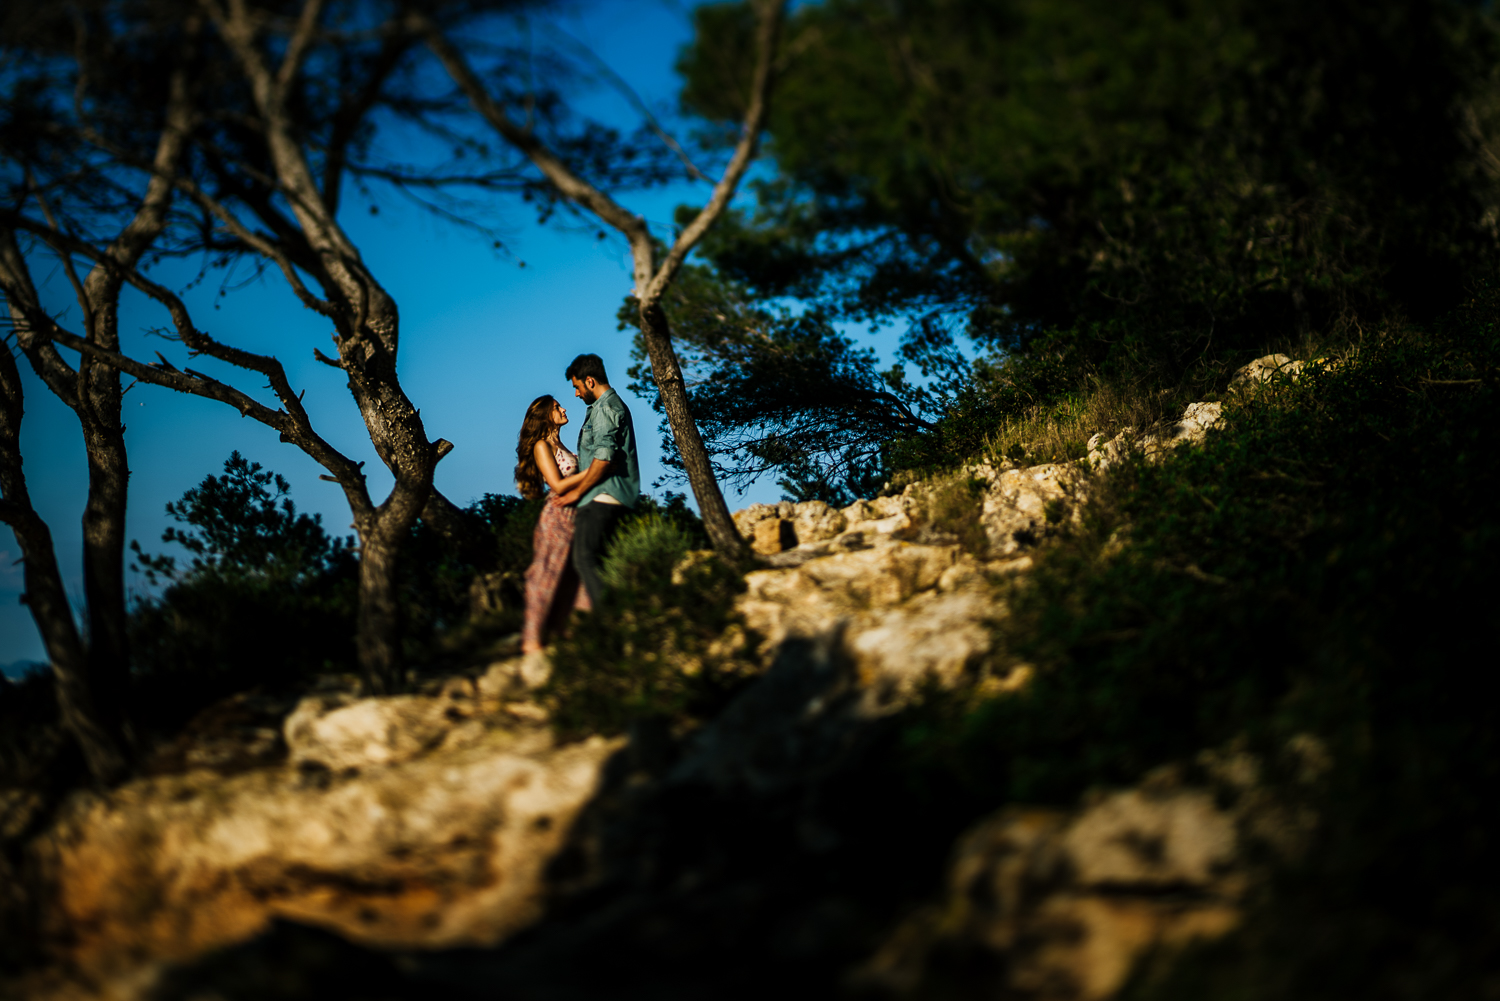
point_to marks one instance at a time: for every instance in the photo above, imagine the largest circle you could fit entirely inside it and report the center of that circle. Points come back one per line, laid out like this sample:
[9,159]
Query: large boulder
[1066,904]
[445,848]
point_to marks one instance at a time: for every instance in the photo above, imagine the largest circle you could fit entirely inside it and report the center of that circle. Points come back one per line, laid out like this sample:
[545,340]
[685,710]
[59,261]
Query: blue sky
[481,337]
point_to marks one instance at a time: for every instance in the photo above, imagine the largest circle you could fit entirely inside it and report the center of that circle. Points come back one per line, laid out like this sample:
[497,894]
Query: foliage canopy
[1149,192]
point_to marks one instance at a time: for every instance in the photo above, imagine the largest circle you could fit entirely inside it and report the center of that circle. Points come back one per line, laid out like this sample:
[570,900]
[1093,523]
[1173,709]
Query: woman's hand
[582,483]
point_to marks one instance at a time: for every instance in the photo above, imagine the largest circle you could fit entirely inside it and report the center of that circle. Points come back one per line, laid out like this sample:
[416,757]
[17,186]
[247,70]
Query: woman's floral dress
[551,582]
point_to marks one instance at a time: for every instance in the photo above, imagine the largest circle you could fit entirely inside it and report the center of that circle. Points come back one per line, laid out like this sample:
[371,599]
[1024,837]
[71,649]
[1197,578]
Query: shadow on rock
[769,848]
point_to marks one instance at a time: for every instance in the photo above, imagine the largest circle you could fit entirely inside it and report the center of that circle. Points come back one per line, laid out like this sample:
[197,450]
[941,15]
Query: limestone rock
[805,599]
[1263,370]
[815,521]
[339,731]
[1019,503]
[1190,429]
[772,528]
[1194,425]
[443,850]
[1072,901]
[938,637]
[896,515]
[746,519]
[905,613]
[772,535]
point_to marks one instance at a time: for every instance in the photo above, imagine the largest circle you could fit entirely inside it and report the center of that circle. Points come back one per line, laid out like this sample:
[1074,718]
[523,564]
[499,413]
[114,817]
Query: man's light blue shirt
[608,433]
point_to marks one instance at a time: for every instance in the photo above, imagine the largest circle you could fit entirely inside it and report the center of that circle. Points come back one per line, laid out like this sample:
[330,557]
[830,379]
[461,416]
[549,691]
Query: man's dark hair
[587,367]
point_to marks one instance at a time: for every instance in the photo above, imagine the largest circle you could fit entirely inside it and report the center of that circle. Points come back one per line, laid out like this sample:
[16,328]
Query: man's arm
[597,471]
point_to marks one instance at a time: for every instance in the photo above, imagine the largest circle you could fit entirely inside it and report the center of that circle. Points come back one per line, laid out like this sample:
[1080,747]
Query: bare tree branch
[30,319]
[651,281]
[296,50]
[744,153]
[628,92]
[569,184]
[350,113]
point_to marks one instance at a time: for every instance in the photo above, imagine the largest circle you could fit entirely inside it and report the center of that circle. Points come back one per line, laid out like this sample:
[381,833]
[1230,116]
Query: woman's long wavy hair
[536,427]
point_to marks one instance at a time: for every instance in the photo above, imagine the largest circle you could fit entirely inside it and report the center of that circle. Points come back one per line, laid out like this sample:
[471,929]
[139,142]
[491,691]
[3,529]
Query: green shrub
[954,506]
[267,598]
[642,556]
[665,644]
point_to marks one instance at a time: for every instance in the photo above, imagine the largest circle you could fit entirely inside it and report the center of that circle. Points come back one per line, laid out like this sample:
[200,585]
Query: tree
[1144,185]
[293,95]
[130,211]
[652,276]
[252,168]
[254,561]
[291,102]
[780,392]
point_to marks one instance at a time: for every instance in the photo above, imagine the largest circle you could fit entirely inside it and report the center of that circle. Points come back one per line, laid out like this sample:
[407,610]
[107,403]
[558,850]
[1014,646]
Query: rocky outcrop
[437,820]
[1066,903]
[412,821]
[1063,905]
[1190,429]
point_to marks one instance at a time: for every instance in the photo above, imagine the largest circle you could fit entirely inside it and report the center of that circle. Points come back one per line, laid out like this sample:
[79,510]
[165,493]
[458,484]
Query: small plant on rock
[954,507]
[665,645]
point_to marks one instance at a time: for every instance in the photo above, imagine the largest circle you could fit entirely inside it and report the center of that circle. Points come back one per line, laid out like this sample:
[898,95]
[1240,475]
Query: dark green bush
[1324,565]
[267,599]
[658,647]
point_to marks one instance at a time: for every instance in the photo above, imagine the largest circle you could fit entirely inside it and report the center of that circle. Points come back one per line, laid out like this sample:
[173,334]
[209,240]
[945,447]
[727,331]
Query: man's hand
[597,470]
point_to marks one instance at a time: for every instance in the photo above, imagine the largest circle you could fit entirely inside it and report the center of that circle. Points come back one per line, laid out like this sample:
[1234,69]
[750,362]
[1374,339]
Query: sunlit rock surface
[444,820]
[442,849]
[1071,900]
[1263,370]
[1190,429]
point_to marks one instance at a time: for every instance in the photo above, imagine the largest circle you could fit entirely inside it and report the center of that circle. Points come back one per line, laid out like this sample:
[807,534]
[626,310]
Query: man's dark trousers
[593,527]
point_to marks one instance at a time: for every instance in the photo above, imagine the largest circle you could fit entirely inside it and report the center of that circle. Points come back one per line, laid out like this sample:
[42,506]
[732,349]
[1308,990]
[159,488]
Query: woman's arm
[597,470]
[546,462]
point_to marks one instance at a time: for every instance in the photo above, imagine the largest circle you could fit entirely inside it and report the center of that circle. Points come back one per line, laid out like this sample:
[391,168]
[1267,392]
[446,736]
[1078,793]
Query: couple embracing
[590,493]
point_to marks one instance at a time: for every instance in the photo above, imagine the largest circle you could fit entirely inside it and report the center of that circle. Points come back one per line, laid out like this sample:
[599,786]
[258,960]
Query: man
[611,481]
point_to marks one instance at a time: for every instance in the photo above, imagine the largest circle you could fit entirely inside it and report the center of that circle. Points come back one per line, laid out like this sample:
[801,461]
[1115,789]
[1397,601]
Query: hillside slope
[1007,731]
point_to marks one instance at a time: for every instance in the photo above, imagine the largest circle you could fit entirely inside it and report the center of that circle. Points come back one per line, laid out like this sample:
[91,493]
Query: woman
[542,463]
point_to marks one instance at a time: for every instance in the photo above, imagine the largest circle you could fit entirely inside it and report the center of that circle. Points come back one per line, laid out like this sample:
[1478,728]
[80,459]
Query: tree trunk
[377,632]
[104,515]
[695,462]
[377,640]
[96,733]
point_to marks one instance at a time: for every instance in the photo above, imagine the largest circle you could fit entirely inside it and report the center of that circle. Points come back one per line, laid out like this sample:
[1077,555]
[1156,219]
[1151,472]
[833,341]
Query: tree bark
[377,637]
[657,334]
[96,732]
[101,399]
[368,334]
[93,677]
[104,522]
